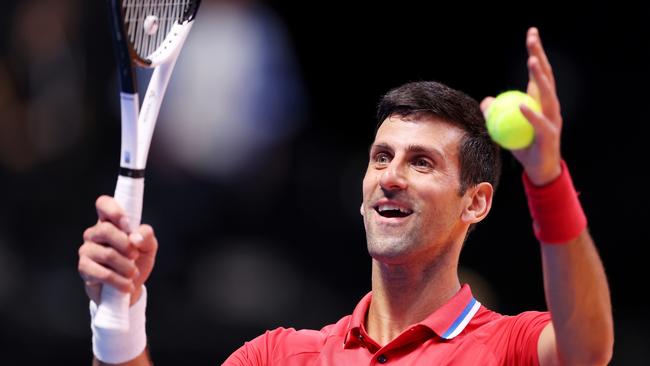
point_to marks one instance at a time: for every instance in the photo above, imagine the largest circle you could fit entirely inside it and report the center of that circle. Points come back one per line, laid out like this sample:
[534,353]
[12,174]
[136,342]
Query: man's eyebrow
[413,148]
[425,150]
[381,145]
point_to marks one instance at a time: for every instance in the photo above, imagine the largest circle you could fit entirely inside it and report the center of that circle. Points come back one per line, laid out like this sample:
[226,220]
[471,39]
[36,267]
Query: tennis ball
[506,124]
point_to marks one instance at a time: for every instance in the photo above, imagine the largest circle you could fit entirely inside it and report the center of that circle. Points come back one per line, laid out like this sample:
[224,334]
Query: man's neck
[403,295]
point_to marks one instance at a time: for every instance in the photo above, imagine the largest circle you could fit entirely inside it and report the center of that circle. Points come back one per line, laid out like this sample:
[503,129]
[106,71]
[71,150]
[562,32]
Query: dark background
[282,244]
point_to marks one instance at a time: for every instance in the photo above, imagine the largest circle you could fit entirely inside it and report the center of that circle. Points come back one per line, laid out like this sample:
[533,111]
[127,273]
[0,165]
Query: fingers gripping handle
[113,311]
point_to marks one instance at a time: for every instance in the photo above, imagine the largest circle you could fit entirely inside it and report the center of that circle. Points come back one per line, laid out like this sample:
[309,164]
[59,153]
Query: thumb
[146,243]
[144,240]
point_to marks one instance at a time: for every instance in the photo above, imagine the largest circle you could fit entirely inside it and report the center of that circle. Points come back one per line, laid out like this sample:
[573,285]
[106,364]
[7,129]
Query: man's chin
[389,250]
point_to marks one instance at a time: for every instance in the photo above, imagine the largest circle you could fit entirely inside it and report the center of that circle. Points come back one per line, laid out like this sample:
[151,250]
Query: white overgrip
[129,193]
[114,347]
[113,310]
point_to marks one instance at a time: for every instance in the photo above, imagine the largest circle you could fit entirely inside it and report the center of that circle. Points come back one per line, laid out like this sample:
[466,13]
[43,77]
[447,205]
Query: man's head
[431,174]
[479,156]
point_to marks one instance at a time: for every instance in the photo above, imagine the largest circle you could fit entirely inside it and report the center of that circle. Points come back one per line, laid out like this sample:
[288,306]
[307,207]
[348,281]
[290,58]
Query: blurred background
[254,176]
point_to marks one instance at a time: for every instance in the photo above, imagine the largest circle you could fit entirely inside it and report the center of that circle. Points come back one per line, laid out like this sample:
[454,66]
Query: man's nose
[393,178]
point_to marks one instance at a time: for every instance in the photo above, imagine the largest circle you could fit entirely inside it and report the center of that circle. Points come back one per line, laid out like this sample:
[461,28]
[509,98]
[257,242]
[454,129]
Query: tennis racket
[149,34]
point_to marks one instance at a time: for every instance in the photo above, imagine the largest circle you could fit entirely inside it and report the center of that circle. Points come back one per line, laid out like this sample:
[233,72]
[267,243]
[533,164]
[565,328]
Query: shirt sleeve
[274,347]
[524,333]
[248,354]
[257,351]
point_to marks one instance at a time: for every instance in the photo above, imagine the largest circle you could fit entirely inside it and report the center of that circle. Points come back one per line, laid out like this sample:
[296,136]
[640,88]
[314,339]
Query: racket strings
[147,22]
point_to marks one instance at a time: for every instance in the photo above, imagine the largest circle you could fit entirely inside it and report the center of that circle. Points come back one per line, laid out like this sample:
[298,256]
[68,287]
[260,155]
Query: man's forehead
[417,133]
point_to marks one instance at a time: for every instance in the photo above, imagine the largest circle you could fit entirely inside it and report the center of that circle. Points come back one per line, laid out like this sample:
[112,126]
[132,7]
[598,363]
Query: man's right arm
[110,256]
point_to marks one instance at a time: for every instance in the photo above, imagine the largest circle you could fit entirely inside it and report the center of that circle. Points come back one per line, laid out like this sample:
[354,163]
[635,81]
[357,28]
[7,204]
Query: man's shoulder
[280,344]
[491,322]
[305,339]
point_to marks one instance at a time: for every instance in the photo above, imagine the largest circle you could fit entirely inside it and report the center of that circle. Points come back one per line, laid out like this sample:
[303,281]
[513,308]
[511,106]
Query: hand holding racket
[150,34]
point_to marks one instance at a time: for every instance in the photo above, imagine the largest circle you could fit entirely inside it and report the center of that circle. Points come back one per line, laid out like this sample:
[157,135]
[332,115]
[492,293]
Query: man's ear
[479,202]
[361,209]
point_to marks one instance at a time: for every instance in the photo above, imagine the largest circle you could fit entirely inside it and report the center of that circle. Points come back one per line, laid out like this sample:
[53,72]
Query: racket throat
[130,111]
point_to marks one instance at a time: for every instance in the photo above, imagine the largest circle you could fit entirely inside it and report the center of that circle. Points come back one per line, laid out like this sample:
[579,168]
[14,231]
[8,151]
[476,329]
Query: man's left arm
[581,332]
[581,329]
[577,294]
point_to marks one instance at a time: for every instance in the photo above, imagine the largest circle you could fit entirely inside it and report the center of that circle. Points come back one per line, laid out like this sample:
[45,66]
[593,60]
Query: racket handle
[113,310]
[128,194]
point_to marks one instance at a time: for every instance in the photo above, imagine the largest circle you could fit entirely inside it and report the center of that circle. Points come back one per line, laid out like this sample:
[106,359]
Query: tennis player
[431,176]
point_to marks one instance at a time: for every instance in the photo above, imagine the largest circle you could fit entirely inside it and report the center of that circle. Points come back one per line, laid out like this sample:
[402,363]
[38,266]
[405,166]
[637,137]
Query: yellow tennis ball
[506,124]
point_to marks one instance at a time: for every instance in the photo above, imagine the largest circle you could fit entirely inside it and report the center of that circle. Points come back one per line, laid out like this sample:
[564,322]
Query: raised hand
[111,256]
[541,159]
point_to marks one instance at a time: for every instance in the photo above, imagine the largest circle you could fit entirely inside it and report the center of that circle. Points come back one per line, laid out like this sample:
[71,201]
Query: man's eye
[382,158]
[423,163]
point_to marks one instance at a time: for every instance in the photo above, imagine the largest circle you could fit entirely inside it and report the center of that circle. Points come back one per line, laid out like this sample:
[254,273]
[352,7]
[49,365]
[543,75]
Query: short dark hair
[480,159]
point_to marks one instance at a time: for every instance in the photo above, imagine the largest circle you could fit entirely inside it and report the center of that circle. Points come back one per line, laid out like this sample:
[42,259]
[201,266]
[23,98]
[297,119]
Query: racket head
[148,29]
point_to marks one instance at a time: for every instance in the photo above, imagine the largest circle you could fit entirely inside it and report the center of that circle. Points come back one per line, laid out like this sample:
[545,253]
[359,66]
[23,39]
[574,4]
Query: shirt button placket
[382,359]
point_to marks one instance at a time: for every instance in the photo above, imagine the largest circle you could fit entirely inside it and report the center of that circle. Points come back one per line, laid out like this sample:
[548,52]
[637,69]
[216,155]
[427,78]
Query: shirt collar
[447,322]
[453,317]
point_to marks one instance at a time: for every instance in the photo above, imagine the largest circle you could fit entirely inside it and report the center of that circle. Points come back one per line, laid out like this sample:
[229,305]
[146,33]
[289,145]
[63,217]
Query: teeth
[389,207]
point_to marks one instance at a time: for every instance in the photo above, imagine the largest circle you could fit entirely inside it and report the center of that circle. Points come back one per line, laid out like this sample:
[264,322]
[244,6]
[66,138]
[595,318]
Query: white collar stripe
[463,319]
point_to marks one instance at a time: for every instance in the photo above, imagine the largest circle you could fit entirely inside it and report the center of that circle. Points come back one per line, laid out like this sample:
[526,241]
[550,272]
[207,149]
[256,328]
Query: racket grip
[128,194]
[113,310]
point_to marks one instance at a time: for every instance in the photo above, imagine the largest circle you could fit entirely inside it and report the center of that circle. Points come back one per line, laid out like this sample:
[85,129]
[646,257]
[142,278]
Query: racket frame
[137,130]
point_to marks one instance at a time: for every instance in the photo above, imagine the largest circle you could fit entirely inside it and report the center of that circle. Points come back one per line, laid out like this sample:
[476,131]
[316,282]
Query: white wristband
[111,346]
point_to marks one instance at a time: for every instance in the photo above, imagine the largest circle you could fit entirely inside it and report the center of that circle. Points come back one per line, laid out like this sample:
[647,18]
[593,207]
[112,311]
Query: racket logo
[148,105]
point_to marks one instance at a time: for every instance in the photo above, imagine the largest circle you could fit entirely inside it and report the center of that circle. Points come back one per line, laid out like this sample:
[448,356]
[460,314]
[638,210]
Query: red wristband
[557,214]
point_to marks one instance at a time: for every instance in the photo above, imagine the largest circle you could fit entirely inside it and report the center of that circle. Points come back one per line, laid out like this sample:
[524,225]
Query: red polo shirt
[462,332]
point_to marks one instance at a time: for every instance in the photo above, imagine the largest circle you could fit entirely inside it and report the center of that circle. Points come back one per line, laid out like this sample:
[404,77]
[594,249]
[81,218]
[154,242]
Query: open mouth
[388,210]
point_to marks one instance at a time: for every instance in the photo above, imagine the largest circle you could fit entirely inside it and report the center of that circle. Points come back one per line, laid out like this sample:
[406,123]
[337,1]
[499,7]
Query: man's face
[411,203]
